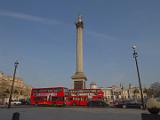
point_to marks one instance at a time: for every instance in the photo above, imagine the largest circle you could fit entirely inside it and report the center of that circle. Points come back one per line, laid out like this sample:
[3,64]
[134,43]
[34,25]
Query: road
[51,113]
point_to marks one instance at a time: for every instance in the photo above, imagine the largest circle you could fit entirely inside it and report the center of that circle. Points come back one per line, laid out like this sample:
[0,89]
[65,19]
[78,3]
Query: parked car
[129,104]
[97,104]
[16,102]
[24,102]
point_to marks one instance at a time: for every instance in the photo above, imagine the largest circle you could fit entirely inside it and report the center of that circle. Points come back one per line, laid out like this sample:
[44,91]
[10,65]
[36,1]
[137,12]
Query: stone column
[79,45]
[79,77]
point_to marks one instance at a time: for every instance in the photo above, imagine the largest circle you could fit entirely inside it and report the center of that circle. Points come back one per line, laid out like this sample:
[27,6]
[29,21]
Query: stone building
[118,93]
[93,85]
[21,90]
[108,94]
[134,93]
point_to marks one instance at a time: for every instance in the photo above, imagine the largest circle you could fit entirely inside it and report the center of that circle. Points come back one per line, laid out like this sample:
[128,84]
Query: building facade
[119,93]
[21,90]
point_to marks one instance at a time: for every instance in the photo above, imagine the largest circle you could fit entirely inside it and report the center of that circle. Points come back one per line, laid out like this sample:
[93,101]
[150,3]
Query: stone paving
[75,113]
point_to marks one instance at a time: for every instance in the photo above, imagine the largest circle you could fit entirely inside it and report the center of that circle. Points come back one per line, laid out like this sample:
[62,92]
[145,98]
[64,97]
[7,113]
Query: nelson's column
[79,77]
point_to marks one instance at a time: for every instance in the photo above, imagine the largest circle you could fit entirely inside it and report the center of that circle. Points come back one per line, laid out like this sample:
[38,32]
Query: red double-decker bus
[60,96]
[56,96]
[80,97]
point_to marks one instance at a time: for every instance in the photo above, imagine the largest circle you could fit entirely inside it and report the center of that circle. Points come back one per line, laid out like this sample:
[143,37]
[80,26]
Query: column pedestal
[79,80]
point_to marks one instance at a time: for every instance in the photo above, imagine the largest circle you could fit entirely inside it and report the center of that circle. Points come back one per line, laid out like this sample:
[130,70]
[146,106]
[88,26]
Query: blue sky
[41,35]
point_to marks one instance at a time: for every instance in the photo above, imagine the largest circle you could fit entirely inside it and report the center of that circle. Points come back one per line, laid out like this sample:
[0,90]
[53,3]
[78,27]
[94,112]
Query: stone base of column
[79,80]
[79,75]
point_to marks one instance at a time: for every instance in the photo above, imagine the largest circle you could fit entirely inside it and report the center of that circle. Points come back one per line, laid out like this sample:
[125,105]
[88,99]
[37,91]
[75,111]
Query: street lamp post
[12,86]
[135,55]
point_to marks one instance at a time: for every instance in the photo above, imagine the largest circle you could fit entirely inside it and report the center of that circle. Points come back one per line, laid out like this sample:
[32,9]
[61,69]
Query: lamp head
[79,18]
[16,63]
[134,47]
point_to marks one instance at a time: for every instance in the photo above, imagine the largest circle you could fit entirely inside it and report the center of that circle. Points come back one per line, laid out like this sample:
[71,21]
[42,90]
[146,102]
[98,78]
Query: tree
[149,92]
[135,92]
[4,89]
[156,89]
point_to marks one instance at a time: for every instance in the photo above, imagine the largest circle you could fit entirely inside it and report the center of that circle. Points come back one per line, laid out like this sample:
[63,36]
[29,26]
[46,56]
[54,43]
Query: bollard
[15,116]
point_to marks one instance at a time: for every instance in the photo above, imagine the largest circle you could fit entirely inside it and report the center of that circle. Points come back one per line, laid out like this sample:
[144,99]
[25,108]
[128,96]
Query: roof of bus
[67,88]
[48,87]
[87,89]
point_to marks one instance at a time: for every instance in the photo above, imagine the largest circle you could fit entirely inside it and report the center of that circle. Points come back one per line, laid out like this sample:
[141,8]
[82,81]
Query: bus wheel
[124,106]
[74,104]
[53,105]
[64,105]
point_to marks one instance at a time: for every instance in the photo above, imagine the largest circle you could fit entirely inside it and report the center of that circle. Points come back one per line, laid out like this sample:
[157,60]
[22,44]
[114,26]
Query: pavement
[73,113]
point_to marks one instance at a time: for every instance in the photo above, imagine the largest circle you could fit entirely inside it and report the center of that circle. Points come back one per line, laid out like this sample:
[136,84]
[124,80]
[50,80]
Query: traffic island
[146,116]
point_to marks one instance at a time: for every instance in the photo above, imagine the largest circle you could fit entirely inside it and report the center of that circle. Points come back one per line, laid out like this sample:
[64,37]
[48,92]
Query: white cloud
[43,20]
[29,17]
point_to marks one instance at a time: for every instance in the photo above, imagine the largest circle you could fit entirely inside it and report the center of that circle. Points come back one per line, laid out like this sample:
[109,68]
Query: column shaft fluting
[79,50]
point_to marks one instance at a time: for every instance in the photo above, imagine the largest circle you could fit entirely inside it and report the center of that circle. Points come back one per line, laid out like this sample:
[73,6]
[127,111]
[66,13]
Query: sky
[41,35]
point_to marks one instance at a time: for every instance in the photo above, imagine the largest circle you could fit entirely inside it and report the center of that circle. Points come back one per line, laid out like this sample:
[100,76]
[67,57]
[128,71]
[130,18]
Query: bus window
[60,98]
[49,98]
[36,98]
[50,90]
[58,90]
[70,98]
[40,98]
[54,98]
[42,90]
[66,90]
[35,90]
